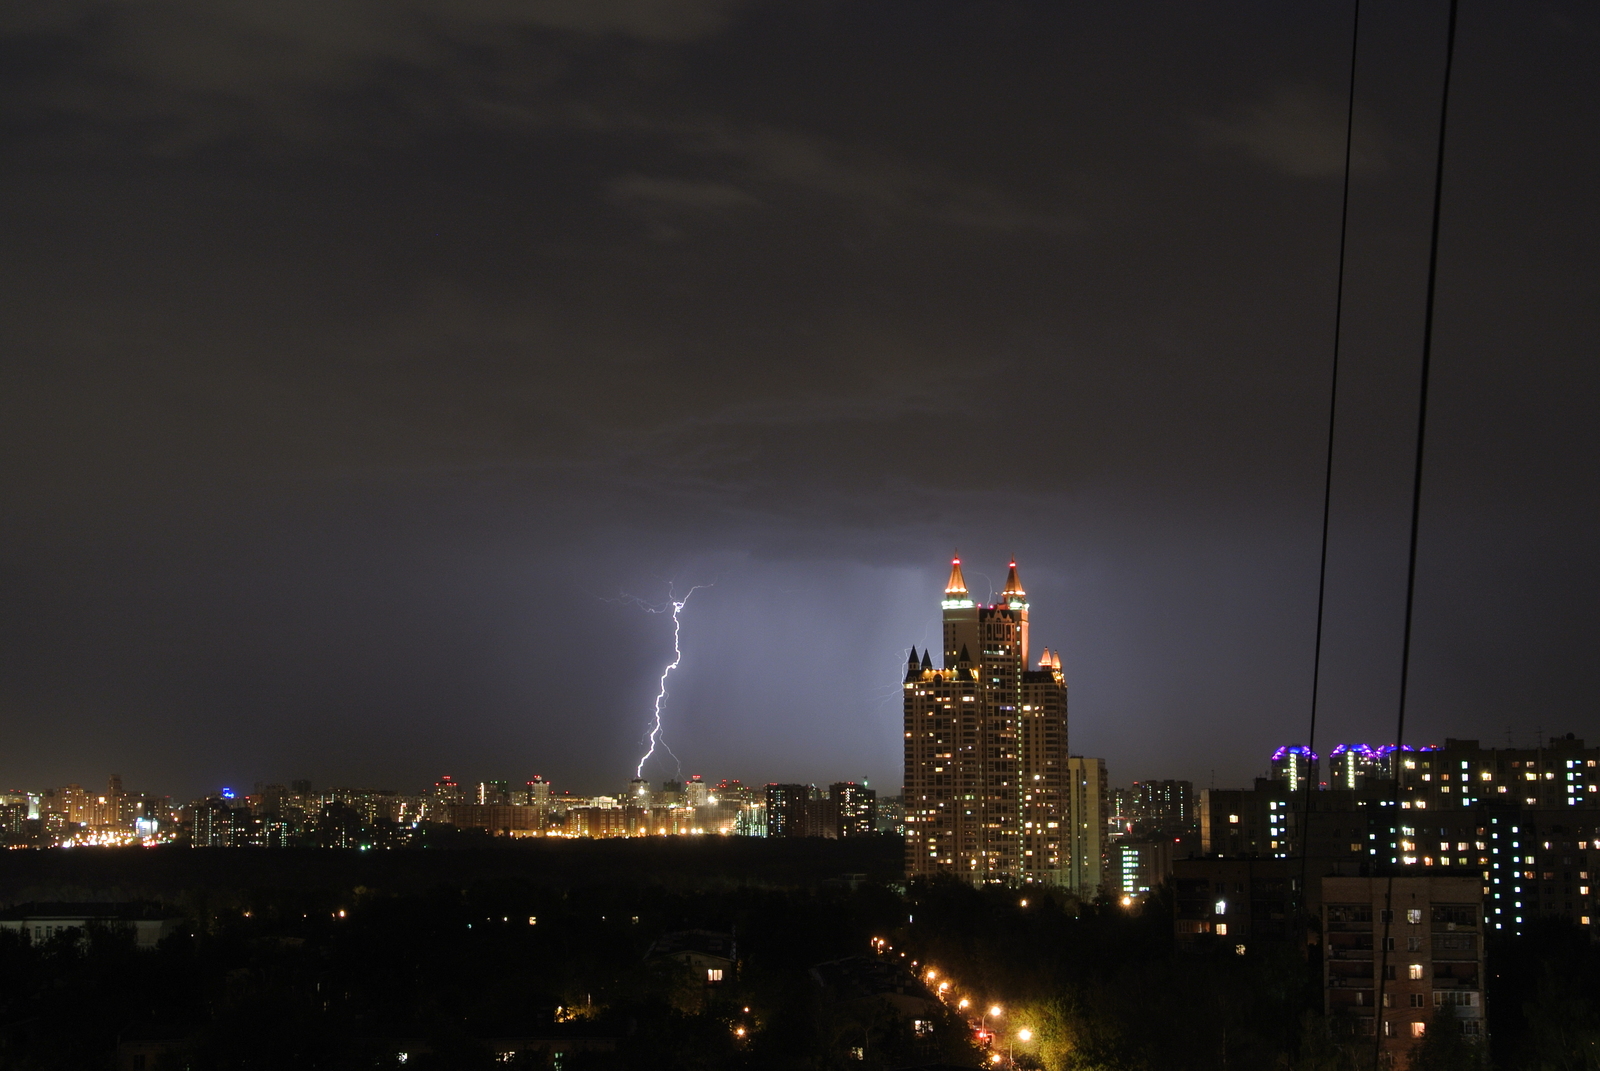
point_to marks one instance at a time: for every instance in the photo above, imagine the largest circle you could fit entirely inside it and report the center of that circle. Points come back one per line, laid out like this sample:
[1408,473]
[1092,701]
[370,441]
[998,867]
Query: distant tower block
[986,747]
[1297,765]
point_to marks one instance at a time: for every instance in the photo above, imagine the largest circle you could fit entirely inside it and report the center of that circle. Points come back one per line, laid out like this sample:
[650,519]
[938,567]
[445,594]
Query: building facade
[1161,808]
[1296,765]
[1088,818]
[1399,951]
[986,773]
[1138,867]
[855,809]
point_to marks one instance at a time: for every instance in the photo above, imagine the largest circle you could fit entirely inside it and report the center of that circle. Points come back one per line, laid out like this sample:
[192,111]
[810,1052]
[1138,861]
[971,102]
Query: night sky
[357,359]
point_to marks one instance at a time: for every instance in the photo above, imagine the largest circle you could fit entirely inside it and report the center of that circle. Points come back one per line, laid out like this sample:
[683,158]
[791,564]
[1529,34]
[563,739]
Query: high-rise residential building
[986,746]
[1138,866]
[696,792]
[640,793]
[1295,765]
[1463,773]
[855,809]
[1247,821]
[1161,808]
[213,824]
[786,810]
[1088,814]
[1403,955]
[1354,765]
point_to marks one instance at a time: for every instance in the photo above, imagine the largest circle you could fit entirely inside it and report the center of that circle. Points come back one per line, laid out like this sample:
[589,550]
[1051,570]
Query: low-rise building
[147,923]
[712,956]
[1235,902]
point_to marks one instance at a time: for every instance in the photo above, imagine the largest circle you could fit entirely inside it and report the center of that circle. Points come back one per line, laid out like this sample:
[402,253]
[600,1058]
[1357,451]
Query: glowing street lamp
[1024,1034]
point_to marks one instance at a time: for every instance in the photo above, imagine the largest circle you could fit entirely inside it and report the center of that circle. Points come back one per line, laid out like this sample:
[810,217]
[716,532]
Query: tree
[1445,1048]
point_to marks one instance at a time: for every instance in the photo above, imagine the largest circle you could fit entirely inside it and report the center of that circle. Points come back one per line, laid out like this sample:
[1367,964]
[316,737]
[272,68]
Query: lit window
[1414,915]
[714,974]
[1414,971]
[1222,929]
[1418,1029]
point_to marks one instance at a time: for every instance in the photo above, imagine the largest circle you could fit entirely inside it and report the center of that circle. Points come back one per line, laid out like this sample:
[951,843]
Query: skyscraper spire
[958,583]
[955,591]
[1013,595]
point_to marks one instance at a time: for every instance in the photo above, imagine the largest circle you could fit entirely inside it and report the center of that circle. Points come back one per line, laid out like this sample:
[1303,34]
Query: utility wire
[1416,504]
[1327,475]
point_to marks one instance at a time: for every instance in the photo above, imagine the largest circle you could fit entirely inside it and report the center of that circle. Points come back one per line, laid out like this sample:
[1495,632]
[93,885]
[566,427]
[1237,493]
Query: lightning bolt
[674,605]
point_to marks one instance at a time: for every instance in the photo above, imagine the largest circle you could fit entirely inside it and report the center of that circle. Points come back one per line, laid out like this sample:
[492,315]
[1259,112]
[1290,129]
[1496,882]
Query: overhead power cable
[1416,509]
[1304,832]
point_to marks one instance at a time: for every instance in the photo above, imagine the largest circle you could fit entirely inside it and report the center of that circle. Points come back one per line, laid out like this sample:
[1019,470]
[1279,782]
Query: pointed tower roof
[956,596]
[927,663]
[965,657]
[1055,661]
[1012,594]
[913,659]
[1044,659]
[958,583]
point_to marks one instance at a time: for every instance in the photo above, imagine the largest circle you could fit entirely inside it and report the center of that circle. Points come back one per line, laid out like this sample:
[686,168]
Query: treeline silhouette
[443,960]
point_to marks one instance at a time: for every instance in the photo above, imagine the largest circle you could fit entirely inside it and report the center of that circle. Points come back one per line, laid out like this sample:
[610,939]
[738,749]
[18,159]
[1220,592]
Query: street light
[1024,1034]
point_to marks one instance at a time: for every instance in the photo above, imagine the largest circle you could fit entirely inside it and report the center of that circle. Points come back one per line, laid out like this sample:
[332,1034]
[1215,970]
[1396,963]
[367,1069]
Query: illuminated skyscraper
[1353,765]
[1296,765]
[986,746]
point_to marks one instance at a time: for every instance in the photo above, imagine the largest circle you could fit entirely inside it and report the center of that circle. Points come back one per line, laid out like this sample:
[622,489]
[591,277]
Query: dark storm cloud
[1301,131]
[358,354]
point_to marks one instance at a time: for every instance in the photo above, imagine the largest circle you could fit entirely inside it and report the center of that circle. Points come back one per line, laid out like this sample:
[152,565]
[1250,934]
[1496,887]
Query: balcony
[1350,953]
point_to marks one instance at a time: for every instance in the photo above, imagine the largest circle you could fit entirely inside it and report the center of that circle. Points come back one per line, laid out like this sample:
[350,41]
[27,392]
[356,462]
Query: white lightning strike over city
[676,606]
